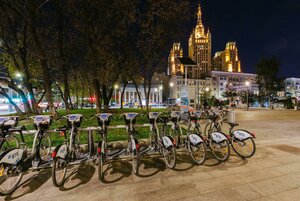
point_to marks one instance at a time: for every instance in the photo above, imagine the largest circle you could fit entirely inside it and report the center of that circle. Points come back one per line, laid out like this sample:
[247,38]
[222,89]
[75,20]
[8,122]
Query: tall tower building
[217,61]
[200,47]
[230,59]
[174,66]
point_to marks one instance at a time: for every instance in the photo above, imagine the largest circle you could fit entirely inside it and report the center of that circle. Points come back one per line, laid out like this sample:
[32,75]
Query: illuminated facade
[217,61]
[200,47]
[231,62]
[227,60]
[174,66]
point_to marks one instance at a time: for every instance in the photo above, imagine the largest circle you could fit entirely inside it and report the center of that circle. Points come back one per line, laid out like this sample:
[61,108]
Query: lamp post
[247,83]
[116,87]
[160,90]
[171,89]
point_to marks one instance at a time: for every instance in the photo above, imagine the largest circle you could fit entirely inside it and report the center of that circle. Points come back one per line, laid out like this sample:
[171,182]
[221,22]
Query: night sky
[261,28]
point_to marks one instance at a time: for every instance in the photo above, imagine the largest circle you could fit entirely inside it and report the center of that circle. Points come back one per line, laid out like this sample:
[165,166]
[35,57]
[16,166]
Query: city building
[227,60]
[221,80]
[217,61]
[200,46]
[174,66]
[292,87]
[192,88]
[131,98]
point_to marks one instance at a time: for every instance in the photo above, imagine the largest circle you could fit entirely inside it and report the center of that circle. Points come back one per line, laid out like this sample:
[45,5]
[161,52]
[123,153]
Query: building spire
[199,14]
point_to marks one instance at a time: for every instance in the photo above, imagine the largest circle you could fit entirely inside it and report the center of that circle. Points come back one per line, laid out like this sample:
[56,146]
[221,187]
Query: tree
[267,76]
[230,93]
[159,23]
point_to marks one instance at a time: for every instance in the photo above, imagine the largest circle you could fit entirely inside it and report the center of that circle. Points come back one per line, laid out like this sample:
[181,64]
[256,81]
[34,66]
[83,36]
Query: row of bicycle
[165,137]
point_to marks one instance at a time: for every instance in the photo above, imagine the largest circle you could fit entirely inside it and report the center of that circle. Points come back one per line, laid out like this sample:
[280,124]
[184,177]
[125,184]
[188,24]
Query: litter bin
[231,116]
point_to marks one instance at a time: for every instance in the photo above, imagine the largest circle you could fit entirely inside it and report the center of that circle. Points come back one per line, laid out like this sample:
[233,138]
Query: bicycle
[162,143]
[68,153]
[133,144]
[193,141]
[12,161]
[103,122]
[242,141]
[175,131]
[217,140]
[7,128]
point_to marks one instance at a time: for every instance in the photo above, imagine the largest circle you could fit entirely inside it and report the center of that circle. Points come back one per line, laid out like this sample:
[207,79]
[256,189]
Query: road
[272,174]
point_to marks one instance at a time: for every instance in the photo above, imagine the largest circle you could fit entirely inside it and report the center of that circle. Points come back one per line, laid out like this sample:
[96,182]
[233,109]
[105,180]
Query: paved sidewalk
[273,174]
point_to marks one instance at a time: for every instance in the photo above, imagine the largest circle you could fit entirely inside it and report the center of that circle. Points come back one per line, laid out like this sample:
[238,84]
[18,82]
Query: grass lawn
[113,134]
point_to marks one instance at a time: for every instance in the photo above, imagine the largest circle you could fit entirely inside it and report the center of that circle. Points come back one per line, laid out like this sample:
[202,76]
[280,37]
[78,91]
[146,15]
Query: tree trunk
[122,94]
[76,88]
[82,94]
[106,98]
[147,93]
[97,95]
[45,71]
[66,94]
[2,92]
[139,95]
[27,107]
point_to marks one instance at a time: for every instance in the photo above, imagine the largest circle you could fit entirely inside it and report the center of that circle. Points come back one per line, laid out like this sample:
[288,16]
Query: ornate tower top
[199,14]
[199,27]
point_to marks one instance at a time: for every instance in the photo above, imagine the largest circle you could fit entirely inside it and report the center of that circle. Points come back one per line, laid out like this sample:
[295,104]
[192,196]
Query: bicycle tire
[56,182]
[15,184]
[7,145]
[191,149]
[227,152]
[100,167]
[134,156]
[166,154]
[238,143]
[45,147]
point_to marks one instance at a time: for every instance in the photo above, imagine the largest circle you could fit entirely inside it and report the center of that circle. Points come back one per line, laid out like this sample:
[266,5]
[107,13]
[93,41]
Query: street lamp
[247,84]
[116,87]
[206,89]
[160,90]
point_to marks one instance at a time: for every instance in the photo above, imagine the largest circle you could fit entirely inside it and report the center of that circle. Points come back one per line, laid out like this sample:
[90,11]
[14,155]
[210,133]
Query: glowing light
[171,84]
[18,75]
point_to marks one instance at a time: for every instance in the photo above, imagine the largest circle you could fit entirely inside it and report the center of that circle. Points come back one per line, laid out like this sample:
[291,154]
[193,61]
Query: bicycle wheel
[59,170]
[244,148]
[45,147]
[134,155]
[197,152]
[221,150]
[10,177]
[169,156]
[11,141]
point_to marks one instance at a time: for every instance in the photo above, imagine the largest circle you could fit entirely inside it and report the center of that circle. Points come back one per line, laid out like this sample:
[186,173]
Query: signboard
[184,100]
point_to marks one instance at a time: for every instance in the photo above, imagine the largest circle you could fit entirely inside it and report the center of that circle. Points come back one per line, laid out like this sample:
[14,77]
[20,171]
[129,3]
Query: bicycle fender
[12,156]
[134,143]
[195,139]
[62,151]
[241,135]
[218,137]
[167,142]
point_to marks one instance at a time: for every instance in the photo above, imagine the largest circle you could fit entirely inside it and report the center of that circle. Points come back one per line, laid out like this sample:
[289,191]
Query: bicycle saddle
[232,124]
